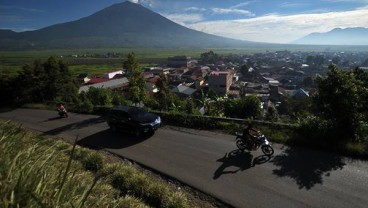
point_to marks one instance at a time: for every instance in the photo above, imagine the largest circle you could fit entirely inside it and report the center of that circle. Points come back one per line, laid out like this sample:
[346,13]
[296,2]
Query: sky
[272,21]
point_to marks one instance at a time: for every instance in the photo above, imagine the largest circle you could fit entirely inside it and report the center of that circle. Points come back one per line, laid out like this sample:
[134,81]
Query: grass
[36,171]
[12,61]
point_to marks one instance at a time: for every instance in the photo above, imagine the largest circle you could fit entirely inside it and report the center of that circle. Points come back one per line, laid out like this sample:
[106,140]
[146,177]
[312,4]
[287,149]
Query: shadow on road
[52,119]
[306,167]
[110,140]
[239,159]
[73,126]
[6,109]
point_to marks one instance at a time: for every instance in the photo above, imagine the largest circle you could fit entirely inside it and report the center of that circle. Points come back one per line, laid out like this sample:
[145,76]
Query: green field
[90,60]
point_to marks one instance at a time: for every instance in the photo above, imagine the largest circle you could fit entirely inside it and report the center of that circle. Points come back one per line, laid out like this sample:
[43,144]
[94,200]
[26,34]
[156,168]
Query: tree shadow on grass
[239,159]
[306,167]
[111,140]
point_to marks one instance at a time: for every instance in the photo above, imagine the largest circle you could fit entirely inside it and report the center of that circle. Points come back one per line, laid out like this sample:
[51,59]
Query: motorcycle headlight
[158,120]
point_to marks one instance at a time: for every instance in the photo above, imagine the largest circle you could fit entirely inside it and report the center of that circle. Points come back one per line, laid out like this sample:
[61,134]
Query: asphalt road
[209,161]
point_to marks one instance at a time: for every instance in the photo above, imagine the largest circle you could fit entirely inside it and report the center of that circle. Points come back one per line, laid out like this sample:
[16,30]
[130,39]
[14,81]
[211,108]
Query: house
[110,84]
[178,61]
[96,80]
[299,94]
[151,85]
[83,78]
[220,81]
[111,75]
[176,74]
[183,91]
[199,82]
[271,81]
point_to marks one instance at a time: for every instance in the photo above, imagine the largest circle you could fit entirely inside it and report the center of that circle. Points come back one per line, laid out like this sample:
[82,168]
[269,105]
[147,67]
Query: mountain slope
[120,25]
[348,36]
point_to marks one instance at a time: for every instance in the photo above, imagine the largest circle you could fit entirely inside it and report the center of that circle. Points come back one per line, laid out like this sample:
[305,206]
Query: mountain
[121,25]
[337,36]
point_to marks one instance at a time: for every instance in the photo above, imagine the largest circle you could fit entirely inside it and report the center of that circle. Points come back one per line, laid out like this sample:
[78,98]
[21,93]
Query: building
[220,81]
[110,84]
[183,91]
[111,75]
[178,61]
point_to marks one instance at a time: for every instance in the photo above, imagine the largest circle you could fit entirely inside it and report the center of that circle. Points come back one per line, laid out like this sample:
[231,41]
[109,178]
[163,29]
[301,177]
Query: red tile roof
[95,80]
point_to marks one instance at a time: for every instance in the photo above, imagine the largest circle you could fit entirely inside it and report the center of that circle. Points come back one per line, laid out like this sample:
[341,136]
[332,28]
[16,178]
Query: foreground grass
[41,172]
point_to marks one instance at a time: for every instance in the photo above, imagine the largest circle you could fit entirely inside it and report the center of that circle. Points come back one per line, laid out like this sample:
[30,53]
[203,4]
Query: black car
[133,120]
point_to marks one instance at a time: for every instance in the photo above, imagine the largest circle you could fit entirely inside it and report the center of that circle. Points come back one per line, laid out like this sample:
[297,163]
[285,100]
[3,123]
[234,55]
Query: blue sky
[277,21]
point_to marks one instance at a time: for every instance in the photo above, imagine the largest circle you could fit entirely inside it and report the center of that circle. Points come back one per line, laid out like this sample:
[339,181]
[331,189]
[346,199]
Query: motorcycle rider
[249,133]
[62,109]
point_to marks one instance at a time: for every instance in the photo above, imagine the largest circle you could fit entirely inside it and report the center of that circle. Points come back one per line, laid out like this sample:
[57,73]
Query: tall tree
[164,96]
[209,57]
[341,99]
[137,83]
[130,63]
[40,82]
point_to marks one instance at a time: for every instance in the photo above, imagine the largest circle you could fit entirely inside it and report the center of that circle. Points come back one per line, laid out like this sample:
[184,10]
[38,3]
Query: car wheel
[138,133]
[113,127]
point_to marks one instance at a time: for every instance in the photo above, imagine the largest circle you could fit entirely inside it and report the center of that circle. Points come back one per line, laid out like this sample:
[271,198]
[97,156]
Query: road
[208,161]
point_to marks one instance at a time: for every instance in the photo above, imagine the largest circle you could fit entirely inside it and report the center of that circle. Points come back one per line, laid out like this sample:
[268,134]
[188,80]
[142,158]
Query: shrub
[317,131]
[129,181]
[93,161]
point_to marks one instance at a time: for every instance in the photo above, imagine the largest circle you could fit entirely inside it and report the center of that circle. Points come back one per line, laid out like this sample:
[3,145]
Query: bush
[152,191]
[93,161]
[318,131]
[85,106]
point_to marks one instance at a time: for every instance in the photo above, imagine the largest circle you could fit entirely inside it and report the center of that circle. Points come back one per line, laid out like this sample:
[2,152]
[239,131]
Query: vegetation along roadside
[36,171]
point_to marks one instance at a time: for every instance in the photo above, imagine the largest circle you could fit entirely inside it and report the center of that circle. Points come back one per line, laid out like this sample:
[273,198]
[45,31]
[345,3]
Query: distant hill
[120,25]
[338,36]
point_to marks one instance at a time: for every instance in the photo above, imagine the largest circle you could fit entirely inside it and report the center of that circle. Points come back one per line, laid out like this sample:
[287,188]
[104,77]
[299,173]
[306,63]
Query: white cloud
[349,1]
[195,9]
[242,4]
[149,3]
[290,4]
[232,11]
[184,19]
[283,29]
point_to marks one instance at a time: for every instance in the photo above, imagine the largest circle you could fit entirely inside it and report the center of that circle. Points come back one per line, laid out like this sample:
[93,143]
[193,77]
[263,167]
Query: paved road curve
[293,177]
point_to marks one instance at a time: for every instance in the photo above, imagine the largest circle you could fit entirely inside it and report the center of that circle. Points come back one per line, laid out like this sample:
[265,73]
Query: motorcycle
[62,113]
[254,143]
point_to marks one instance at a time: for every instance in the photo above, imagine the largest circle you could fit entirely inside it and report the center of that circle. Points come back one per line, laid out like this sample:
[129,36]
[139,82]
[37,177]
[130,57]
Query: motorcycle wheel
[240,144]
[267,150]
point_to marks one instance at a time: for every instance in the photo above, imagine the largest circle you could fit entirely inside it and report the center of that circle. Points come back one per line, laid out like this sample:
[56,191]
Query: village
[273,77]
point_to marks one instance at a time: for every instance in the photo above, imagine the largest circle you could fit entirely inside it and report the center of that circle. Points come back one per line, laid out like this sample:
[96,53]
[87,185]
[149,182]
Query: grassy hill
[36,171]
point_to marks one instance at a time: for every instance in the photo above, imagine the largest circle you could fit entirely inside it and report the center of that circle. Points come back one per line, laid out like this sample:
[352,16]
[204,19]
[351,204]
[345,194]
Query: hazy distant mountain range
[348,36]
[120,25]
